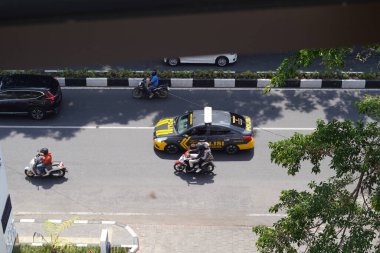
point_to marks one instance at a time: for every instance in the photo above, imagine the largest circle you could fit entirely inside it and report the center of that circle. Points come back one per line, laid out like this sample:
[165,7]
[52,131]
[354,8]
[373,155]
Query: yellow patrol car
[222,130]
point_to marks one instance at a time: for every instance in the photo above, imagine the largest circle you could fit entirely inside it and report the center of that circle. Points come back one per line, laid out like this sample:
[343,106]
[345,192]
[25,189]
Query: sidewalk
[195,239]
[82,232]
[152,238]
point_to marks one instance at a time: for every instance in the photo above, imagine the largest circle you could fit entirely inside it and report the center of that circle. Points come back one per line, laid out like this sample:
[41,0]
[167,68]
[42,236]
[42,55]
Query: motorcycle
[142,91]
[56,169]
[183,164]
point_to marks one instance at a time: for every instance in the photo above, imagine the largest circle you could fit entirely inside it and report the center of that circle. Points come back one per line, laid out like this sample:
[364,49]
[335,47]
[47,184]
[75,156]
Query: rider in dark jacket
[153,83]
[203,151]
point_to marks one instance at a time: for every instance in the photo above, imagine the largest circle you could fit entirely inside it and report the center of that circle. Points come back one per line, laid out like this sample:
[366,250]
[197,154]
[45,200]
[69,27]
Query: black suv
[30,94]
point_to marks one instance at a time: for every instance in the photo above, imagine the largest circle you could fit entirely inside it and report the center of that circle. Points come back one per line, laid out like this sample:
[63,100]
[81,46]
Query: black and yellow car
[222,130]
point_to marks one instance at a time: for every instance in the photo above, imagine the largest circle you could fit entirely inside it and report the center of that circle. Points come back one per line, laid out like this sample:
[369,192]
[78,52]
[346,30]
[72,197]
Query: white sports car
[220,60]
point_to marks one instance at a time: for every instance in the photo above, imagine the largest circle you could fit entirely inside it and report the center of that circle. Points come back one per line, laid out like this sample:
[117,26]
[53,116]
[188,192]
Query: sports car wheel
[231,149]
[37,113]
[221,61]
[179,167]
[171,149]
[173,61]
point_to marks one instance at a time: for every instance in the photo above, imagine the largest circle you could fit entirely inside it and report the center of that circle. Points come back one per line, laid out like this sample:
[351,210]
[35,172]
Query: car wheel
[171,149]
[173,61]
[37,113]
[221,61]
[231,149]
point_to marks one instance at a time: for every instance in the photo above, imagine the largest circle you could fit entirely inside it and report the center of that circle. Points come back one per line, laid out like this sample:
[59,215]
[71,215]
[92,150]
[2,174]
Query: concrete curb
[132,247]
[223,83]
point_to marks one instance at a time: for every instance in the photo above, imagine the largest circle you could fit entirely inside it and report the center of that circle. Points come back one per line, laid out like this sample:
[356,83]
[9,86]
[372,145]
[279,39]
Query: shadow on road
[105,107]
[219,155]
[196,178]
[46,182]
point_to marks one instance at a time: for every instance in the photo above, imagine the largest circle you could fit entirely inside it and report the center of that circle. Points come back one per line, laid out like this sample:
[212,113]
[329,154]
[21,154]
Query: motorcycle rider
[152,83]
[45,161]
[203,151]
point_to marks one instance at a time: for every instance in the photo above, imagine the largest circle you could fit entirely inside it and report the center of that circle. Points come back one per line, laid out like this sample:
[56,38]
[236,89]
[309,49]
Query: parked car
[35,95]
[223,130]
[220,60]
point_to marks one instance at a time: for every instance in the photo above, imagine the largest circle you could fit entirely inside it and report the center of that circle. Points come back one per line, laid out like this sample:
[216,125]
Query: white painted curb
[134,82]
[61,81]
[311,83]
[261,83]
[96,82]
[224,83]
[353,84]
[135,240]
[182,82]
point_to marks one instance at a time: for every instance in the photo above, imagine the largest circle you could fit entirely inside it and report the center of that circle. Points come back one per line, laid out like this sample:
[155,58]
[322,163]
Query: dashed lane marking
[146,128]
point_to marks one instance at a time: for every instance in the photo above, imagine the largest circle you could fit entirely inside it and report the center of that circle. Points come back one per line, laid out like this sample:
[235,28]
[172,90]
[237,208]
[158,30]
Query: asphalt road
[105,139]
[252,62]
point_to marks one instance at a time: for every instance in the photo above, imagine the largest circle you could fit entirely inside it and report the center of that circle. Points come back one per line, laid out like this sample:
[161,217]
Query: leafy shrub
[200,74]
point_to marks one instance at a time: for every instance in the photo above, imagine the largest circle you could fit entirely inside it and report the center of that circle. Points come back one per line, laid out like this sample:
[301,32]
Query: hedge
[199,74]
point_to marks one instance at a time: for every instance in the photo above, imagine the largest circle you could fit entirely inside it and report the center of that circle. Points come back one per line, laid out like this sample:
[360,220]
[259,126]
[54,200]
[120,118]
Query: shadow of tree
[116,107]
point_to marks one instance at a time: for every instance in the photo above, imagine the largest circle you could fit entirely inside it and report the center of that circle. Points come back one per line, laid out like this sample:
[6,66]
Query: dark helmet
[44,151]
[201,146]
[154,72]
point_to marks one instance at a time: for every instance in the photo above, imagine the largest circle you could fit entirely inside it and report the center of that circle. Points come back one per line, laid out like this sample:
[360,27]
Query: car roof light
[208,115]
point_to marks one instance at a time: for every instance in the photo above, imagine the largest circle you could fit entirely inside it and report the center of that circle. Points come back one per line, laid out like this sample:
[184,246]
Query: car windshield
[182,123]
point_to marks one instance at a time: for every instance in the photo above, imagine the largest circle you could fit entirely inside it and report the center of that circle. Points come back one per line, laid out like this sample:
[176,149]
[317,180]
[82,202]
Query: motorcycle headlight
[161,139]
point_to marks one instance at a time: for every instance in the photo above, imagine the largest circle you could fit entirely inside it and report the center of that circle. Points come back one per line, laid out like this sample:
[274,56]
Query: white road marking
[108,222]
[77,127]
[81,221]
[125,214]
[55,221]
[27,220]
[266,215]
[146,128]
[211,88]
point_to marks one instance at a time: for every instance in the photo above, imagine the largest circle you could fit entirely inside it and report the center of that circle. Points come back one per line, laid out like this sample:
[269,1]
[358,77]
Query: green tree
[330,58]
[341,214]
[370,105]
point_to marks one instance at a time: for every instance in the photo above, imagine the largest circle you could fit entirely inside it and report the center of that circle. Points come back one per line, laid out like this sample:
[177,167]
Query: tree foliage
[330,58]
[370,106]
[341,214]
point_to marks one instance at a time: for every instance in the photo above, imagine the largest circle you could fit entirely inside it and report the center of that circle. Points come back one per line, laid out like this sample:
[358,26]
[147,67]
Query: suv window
[6,95]
[30,81]
[18,94]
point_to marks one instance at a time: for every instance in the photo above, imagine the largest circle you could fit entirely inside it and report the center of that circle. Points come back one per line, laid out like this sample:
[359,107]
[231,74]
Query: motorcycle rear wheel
[208,168]
[179,167]
[162,94]
[59,173]
[137,93]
